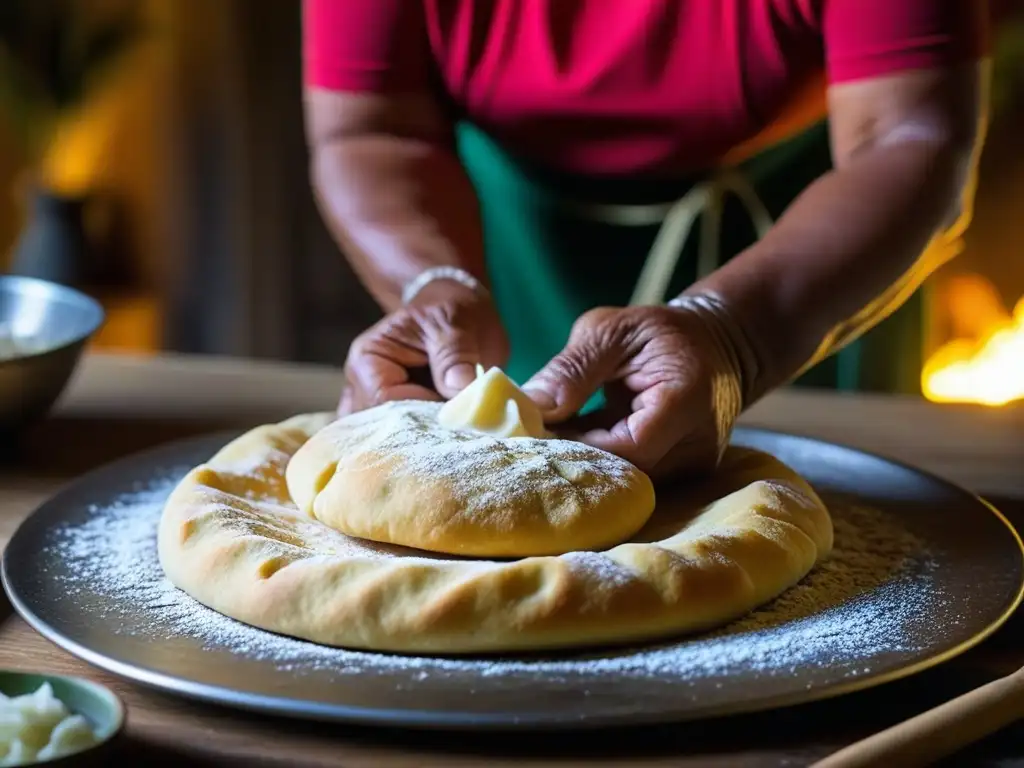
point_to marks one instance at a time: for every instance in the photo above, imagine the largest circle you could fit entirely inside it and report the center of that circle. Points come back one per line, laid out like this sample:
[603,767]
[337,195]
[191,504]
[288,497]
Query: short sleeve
[872,38]
[364,45]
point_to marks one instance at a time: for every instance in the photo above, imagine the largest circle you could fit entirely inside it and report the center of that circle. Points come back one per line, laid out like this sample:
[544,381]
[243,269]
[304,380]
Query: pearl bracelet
[427,276]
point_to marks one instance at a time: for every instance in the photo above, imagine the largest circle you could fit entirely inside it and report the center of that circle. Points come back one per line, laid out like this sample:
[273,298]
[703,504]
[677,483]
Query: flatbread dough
[397,474]
[231,537]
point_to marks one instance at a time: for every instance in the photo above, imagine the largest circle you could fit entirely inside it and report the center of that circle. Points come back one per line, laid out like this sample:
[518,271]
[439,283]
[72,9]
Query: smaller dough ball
[493,405]
[396,474]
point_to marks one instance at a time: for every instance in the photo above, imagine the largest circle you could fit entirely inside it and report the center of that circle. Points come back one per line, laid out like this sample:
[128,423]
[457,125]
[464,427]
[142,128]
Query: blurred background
[152,154]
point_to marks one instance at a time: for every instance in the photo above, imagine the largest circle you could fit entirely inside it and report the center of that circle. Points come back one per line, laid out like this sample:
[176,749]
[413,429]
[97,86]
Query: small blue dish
[96,703]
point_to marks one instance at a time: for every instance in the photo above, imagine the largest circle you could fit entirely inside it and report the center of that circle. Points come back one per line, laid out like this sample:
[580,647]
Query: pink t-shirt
[641,87]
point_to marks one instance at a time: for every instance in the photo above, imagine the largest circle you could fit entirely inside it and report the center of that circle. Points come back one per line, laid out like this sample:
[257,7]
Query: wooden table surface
[117,405]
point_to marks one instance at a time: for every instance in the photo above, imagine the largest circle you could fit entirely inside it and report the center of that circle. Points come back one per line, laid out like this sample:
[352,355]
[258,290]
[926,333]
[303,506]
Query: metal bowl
[51,325]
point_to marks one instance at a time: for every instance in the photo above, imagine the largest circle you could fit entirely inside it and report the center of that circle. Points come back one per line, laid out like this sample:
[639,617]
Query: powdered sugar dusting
[865,600]
[483,474]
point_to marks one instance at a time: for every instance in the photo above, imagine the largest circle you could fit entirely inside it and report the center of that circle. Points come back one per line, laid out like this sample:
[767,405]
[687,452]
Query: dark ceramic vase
[53,245]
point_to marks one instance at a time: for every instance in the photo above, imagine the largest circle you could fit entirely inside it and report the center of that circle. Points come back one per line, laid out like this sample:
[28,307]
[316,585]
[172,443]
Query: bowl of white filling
[43,329]
[55,721]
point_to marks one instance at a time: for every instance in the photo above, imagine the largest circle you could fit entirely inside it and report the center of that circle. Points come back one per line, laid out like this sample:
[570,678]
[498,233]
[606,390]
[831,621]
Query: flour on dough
[231,537]
[468,478]
[394,474]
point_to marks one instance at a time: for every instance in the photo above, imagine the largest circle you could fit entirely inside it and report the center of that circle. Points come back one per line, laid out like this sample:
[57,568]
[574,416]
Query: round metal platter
[973,583]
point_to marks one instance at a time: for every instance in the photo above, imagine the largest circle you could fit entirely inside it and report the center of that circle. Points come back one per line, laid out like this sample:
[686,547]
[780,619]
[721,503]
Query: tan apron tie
[677,219]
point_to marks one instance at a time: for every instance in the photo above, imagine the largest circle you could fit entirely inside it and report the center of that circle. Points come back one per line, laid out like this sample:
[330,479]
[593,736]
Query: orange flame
[985,363]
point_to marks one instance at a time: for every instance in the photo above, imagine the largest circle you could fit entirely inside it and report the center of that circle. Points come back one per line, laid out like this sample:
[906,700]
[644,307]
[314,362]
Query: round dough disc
[231,537]
[393,474]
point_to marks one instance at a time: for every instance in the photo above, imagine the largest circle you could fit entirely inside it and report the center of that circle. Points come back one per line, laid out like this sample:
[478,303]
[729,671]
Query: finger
[646,435]
[572,376]
[378,381]
[618,403]
[493,345]
[453,353]
[378,372]
[346,404]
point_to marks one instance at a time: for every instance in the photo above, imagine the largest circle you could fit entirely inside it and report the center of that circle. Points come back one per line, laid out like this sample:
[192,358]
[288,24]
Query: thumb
[567,382]
[453,355]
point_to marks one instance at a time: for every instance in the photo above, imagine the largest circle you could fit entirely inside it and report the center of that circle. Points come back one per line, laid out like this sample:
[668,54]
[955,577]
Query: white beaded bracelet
[427,276]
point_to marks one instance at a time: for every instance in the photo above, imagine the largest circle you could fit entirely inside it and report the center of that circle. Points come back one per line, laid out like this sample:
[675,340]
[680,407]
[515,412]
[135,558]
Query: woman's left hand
[672,382]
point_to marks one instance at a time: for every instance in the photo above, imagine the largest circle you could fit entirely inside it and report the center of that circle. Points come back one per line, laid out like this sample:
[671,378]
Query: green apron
[549,262]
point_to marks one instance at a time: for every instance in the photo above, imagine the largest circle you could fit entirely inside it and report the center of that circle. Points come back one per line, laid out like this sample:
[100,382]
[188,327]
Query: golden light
[985,364]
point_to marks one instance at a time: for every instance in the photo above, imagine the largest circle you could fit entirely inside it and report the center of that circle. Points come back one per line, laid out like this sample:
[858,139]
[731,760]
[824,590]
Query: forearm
[397,206]
[849,251]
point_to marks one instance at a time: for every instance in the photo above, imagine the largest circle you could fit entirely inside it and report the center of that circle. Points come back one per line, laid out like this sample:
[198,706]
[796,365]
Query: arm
[854,246]
[391,188]
[845,254]
[398,202]
[384,169]
[396,199]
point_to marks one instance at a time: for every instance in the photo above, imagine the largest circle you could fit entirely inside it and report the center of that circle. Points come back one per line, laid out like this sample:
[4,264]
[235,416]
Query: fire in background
[985,361]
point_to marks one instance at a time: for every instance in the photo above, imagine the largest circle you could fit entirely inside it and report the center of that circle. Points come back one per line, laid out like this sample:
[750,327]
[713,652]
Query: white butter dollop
[495,405]
[38,726]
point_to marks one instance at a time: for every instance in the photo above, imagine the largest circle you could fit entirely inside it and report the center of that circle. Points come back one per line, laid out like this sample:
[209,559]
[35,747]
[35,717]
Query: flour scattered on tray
[865,599]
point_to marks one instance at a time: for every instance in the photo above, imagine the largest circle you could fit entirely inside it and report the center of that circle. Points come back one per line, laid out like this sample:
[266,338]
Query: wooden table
[118,405]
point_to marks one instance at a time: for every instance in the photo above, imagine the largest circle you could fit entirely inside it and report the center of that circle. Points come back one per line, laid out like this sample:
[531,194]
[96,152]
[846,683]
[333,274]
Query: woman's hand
[427,350]
[673,385]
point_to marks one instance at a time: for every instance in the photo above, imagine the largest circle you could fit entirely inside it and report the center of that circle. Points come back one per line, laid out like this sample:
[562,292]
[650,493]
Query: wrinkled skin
[672,394]
[425,351]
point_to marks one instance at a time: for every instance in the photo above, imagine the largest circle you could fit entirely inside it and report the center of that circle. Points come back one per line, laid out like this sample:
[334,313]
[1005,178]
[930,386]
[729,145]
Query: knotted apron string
[705,200]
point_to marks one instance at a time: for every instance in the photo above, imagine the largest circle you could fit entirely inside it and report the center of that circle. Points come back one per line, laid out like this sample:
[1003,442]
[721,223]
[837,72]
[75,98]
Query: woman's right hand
[427,350]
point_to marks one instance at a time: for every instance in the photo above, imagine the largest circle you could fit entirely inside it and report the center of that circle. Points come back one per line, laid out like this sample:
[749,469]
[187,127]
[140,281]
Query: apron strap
[707,201]
[677,220]
[662,259]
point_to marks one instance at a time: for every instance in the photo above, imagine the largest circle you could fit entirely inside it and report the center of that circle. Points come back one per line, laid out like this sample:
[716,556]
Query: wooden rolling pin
[939,732]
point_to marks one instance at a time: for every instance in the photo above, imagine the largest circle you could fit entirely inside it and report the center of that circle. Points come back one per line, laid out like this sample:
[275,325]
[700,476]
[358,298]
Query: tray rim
[498,722]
